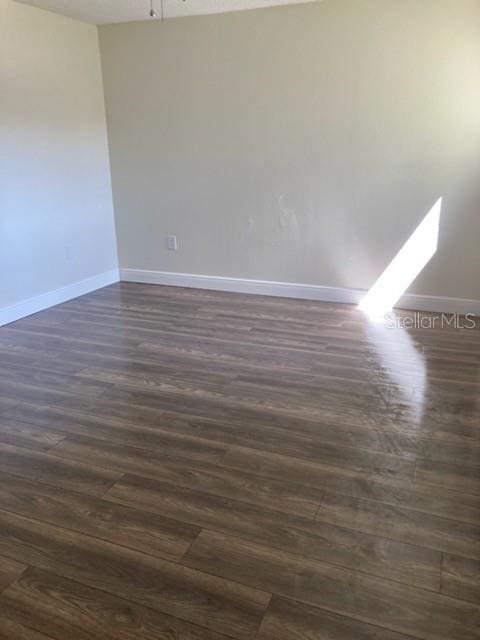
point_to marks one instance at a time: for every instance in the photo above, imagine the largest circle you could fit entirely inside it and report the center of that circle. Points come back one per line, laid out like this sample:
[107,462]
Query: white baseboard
[242,285]
[438,303]
[221,283]
[294,290]
[52,298]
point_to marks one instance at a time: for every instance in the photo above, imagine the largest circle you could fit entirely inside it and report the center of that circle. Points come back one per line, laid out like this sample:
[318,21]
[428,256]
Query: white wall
[300,144]
[56,213]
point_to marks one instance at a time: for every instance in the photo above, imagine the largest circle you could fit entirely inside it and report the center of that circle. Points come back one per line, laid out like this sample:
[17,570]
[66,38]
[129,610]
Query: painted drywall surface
[299,144]
[56,212]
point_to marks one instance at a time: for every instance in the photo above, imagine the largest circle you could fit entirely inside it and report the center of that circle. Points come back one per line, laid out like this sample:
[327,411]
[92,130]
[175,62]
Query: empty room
[239,320]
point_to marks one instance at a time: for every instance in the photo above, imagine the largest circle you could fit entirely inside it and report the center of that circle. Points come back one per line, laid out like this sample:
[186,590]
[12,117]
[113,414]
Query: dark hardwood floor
[179,464]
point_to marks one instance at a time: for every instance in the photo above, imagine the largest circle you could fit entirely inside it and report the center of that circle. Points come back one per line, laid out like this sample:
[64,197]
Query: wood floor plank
[15,357]
[211,602]
[82,613]
[129,429]
[21,434]
[461,578]
[421,497]
[307,438]
[17,631]
[461,477]
[294,433]
[44,467]
[466,453]
[144,531]
[200,476]
[287,619]
[49,380]
[10,570]
[368,553]
[314,473]
[297,436]
[402,524]
[7,403]
[328,408]
[14,392]
[407,610]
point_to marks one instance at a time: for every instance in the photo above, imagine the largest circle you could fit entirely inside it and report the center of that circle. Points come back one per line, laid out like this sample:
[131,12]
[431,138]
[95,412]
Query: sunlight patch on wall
[405,267]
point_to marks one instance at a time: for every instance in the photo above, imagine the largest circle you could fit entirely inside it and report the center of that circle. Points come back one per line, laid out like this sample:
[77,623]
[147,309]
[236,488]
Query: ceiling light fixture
[152,13]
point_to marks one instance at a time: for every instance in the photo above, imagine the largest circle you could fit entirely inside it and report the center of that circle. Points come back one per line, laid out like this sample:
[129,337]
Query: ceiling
[107,11]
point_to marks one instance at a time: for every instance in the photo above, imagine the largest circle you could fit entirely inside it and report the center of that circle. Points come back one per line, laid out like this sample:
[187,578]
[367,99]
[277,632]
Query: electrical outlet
[172,243]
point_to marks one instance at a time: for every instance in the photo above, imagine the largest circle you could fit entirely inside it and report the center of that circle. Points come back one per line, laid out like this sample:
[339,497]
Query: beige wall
[300,144]
[56,214]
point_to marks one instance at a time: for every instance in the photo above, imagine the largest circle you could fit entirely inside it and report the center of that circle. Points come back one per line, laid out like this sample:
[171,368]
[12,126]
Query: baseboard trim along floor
[57,296]
[222,283]
[294,290]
